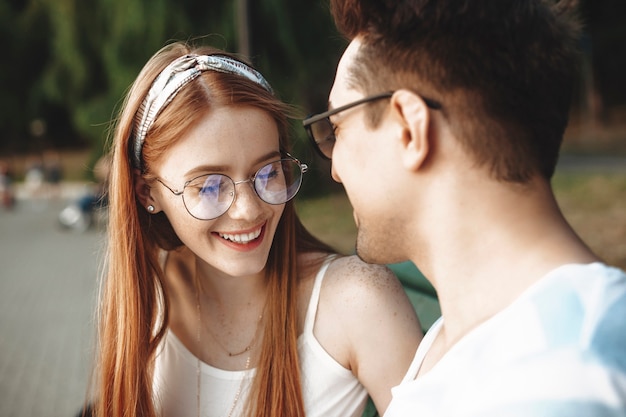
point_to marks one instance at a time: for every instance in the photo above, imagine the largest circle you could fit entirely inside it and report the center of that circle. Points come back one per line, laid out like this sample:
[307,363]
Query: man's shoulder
[578,309]
[558,348]
[582,301]
[551,382]
[590,271]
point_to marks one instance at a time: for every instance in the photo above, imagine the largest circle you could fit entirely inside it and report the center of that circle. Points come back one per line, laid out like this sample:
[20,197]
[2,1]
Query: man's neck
[491,250]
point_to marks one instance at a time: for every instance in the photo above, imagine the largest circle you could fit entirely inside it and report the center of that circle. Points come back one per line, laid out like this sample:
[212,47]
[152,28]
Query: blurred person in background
[7,192]
[216,300]
[90,208]
[53,172]
[35,180]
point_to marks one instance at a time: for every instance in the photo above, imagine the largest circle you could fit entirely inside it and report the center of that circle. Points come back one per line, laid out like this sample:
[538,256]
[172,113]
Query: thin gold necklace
[198,338]
[246,349]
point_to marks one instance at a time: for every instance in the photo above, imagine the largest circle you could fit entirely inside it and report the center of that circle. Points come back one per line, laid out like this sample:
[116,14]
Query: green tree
[23,31]
[99,47]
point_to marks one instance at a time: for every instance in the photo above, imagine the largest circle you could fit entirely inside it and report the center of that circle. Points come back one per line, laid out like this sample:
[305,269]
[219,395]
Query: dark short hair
[502,69]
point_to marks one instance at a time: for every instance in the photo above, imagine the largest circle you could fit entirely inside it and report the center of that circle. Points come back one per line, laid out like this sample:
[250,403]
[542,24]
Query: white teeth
[241,238]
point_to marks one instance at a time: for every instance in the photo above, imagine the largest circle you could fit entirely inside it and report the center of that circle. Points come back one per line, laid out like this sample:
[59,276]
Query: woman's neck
[228,292]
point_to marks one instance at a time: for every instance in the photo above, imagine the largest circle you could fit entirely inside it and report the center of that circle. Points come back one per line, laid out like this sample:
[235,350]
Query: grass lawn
[595,205]
[330,219]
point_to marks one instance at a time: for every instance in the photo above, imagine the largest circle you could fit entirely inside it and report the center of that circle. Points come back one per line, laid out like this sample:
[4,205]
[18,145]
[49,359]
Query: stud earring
[150,208]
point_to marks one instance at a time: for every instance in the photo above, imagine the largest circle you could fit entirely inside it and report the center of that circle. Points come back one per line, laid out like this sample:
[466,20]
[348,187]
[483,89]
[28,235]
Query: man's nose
[333,173]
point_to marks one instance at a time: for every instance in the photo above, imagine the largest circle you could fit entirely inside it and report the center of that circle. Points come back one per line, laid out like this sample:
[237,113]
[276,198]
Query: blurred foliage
[68,63]
[604,22]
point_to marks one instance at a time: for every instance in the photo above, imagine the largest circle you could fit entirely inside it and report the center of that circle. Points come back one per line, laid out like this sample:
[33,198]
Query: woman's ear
[142,190]
[413,116]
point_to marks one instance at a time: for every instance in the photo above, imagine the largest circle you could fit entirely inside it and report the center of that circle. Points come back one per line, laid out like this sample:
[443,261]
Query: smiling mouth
[242,238]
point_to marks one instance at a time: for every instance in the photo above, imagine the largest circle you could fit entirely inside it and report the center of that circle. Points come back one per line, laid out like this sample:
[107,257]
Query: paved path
[48,282]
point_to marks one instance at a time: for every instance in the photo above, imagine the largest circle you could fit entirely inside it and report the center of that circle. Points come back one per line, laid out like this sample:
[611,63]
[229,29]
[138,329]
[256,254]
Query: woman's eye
[272,174]
[213,184]
[269,172]
[210,189]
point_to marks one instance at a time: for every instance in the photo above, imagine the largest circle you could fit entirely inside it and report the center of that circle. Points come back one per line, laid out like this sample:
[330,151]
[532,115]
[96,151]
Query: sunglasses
[208,196]
[321,130]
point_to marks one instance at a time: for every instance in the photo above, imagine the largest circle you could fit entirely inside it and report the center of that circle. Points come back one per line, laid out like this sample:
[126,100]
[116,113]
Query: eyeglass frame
[287,157]
[306,123]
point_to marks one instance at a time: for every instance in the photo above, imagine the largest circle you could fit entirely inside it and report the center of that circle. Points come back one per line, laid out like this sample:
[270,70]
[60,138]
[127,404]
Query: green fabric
[370,410]
[412,277]
[421,293]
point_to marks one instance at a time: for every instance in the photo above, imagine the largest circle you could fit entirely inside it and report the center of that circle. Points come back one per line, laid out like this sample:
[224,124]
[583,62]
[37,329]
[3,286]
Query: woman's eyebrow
[221,168]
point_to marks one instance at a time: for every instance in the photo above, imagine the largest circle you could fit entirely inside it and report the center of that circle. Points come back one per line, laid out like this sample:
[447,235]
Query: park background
[68,63]
[65,67]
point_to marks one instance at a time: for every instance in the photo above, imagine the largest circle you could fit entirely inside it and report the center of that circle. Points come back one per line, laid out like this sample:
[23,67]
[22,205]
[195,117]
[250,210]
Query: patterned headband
[172,79]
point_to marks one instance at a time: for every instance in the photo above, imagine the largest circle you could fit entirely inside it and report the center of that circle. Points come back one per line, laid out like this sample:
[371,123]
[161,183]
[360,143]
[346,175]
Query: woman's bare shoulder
[363,314]
[352,275]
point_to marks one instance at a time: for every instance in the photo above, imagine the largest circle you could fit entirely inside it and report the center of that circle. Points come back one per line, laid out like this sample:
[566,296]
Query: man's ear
[413,116]
[142,190]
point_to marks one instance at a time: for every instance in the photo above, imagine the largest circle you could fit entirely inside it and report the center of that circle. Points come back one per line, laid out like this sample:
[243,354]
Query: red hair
[133,308]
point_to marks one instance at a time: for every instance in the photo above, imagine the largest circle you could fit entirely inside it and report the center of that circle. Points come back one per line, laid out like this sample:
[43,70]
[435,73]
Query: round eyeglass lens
[324,136]
[278,182]
[209,196]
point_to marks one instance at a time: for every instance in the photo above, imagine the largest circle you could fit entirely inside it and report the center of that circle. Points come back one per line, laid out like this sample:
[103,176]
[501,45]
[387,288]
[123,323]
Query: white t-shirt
[558,350]
[328,388]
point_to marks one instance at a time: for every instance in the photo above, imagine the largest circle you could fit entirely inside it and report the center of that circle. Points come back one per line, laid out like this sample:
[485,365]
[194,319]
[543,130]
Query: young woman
[216,300]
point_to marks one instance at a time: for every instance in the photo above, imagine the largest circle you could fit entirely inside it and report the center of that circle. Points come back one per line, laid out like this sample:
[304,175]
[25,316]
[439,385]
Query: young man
[448,117]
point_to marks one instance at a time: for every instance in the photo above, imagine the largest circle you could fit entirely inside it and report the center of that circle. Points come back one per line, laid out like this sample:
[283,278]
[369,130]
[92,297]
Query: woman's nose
[247,203]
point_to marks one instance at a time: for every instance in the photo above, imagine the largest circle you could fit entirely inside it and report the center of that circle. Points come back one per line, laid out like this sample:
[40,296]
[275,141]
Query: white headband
[174,77]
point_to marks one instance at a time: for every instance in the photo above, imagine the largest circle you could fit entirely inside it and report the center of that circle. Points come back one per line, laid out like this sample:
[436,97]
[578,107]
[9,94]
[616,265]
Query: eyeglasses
[209,196]
[321,131]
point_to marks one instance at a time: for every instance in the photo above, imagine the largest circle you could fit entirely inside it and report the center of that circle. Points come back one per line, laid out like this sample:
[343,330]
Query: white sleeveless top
[328,388]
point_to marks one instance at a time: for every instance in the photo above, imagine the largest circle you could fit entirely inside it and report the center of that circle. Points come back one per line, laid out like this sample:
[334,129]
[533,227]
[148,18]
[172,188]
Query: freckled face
[234,141]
